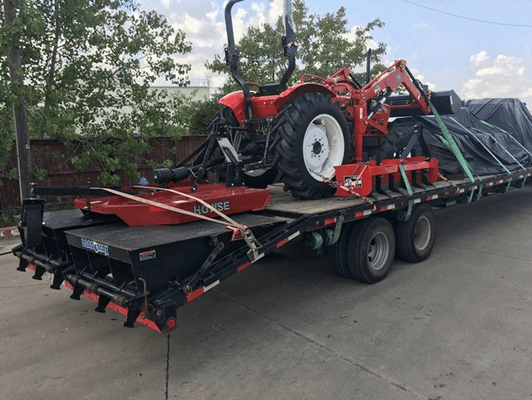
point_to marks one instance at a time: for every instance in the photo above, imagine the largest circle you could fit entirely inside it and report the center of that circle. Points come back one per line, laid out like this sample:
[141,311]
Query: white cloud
[479,58]
[212,15]
[421,25]
[504,76]
[351,35]
[490,71]
[193,25]
[420,77]
[203,22]
[276,10]
[259,9]
[471,84]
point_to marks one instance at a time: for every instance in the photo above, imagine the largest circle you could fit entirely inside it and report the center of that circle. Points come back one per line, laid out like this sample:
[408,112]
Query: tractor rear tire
[314,137]
[256,179]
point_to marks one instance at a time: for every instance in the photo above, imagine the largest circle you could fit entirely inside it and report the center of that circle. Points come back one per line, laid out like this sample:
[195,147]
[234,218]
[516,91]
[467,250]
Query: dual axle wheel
[366,249]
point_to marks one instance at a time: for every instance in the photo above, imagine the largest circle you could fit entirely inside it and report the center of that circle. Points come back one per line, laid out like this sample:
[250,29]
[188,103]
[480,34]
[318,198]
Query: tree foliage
[199,115]
[324,45]
[88,68]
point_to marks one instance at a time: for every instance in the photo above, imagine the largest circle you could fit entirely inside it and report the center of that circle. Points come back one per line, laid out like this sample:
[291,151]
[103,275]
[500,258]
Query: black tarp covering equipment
[494,136]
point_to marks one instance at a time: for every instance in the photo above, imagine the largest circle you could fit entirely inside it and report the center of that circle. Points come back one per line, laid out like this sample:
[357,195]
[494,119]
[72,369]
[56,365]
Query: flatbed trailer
[148,272]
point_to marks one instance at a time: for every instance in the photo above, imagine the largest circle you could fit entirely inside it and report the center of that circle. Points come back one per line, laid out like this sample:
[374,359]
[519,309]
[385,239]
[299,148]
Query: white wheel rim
[256,172]
[323,147]
[422,233]
[378,251]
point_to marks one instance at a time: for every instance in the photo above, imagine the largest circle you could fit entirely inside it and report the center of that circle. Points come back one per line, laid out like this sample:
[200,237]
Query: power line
[468,18]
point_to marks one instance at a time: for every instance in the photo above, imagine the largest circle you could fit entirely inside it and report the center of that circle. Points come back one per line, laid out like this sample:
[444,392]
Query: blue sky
[476,59]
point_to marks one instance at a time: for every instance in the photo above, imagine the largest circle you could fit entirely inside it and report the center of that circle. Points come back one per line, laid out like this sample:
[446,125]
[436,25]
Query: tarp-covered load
[494,136]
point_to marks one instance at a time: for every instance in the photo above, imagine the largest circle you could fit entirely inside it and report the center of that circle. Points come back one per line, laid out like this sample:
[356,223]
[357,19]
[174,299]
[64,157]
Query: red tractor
[301,133]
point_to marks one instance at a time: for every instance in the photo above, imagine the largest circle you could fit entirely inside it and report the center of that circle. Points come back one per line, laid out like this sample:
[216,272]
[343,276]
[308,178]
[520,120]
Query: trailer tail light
[171,324]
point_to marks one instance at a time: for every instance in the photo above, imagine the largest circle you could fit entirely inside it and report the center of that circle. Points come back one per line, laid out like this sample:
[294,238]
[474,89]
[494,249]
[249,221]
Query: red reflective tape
[359,214]
[9,232]
[148,323]
[243,266]
[119,309]
[329,221]
[282,242]
[195,294]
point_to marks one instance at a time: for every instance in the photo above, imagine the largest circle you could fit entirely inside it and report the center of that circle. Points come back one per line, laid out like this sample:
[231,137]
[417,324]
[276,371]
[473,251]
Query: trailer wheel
[371,250]
[314,138]
[337,253]
[259,178]
[416,237]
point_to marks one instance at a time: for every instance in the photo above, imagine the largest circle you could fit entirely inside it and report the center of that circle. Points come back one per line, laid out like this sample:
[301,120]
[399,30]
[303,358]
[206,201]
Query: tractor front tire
[314,137]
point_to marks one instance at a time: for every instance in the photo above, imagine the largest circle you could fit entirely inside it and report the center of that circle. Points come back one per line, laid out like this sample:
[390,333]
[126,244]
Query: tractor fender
[270,106]
[235,101]
[298,90]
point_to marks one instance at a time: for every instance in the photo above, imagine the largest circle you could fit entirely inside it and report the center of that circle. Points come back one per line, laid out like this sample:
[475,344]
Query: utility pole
[19,108]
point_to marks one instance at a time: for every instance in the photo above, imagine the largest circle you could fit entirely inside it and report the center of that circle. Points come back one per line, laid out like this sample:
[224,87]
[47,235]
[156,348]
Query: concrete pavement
[456,326]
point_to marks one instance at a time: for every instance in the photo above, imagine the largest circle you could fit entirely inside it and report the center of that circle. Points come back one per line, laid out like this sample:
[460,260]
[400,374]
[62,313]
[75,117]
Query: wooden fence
[55,157]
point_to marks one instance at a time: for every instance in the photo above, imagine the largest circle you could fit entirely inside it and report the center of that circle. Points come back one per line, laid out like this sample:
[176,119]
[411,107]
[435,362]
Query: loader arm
[371,111]
[384,84]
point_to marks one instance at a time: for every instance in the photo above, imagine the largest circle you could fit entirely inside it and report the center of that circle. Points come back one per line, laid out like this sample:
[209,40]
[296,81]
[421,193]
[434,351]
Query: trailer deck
[161,268]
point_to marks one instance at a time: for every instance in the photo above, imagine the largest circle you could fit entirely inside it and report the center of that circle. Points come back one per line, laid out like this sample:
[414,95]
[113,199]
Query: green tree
[199,115]
[88,67]
[324,46]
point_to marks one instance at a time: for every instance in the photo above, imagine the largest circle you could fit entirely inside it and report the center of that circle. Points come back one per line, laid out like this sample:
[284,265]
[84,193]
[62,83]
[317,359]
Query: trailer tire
[337,253]
[371,250]
[416,237]
[314,137]
[256,179]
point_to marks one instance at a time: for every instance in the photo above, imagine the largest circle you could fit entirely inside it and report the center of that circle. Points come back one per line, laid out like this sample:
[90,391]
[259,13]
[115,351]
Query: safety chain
[357,196]
[336,185]
[449,182]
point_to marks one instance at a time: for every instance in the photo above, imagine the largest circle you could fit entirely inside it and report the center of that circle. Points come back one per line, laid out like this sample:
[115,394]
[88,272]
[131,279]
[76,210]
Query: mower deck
[176,204]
